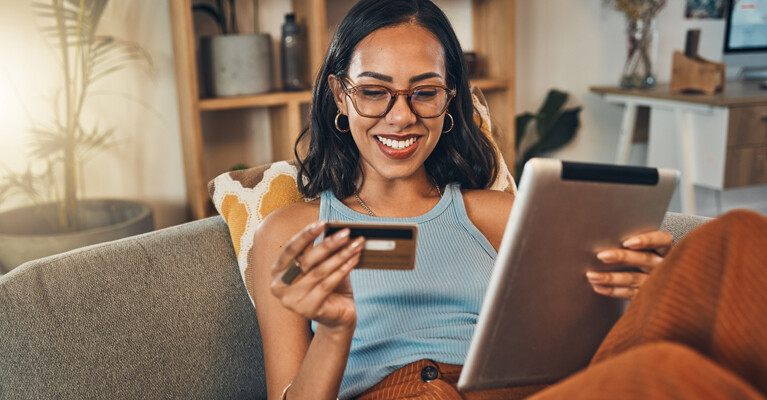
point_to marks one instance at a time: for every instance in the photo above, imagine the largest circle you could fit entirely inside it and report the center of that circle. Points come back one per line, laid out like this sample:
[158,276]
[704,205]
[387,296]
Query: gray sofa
[156,316]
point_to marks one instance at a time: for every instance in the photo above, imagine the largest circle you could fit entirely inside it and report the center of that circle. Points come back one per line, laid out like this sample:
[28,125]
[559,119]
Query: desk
[718,141]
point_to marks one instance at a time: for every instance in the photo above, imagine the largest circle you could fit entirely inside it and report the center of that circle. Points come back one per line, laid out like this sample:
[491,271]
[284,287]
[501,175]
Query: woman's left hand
[644,251]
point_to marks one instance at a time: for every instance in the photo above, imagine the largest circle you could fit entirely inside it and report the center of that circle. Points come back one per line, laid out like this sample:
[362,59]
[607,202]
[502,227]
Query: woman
[391,139]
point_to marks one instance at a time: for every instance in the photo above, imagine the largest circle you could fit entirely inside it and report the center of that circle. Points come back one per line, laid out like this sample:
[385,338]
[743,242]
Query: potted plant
[58,219]
[231,63]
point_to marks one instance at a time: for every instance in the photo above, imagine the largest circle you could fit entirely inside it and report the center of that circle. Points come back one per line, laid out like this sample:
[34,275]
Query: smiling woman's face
[402,57]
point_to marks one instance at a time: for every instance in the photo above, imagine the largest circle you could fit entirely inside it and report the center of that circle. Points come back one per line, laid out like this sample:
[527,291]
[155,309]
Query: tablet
[540,320]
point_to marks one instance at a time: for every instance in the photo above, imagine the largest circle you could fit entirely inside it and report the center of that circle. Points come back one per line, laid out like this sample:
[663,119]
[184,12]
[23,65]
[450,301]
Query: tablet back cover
[541,321]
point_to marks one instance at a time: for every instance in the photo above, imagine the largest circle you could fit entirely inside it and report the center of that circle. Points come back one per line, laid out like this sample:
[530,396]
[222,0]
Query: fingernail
[341,235]
[356,245]
[632,242]
[600,289]
[316,226]
[606,256]
[353,261]
[594,276]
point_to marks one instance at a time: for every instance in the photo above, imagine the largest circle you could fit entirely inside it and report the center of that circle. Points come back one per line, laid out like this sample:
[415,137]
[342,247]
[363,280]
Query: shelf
[490,84]
[260,100]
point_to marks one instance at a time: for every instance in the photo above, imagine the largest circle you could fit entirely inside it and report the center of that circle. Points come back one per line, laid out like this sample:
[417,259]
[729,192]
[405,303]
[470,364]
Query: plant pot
[27,233]
[236,65]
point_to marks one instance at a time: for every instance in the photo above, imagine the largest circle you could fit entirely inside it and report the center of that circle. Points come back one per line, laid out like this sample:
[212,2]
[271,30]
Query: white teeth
[396,144]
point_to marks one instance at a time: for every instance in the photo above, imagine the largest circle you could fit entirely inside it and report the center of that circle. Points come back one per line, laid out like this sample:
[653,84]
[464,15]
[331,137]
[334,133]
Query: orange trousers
[697,329]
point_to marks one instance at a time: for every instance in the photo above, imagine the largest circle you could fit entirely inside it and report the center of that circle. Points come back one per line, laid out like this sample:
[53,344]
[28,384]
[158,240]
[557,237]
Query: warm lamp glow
[26,79]
[6,93]
[14,120]
[13,43]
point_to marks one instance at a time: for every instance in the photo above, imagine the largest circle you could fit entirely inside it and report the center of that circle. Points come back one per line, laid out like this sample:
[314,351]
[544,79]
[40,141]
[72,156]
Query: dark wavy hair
[464,155]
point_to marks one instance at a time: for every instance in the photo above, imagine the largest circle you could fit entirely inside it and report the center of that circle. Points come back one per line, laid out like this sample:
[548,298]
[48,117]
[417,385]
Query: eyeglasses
[374,101]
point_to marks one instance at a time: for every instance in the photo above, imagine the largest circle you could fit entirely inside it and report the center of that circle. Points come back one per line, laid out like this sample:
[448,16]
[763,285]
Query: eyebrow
[387,78]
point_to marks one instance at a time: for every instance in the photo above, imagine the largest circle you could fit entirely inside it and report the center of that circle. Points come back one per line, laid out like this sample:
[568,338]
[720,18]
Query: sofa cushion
[161,315]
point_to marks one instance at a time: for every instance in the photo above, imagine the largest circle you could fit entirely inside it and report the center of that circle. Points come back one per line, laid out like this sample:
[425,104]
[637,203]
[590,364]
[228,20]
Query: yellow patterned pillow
[245,197]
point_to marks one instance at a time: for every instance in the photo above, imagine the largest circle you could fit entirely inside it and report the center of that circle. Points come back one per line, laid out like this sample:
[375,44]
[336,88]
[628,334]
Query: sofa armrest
[159,315]
[681,224]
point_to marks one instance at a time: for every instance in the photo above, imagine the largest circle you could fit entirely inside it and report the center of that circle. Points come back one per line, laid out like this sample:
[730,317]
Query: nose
[400,113]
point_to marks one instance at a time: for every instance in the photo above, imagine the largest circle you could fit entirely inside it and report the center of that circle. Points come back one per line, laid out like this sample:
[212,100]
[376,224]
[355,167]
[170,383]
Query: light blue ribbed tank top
[428,313]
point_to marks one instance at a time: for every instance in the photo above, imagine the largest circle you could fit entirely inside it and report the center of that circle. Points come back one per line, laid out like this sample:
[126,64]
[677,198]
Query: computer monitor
[745,39]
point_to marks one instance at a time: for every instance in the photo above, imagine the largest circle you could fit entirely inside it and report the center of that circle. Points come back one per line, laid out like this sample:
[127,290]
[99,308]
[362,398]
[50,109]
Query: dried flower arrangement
[638,9]
[638,71]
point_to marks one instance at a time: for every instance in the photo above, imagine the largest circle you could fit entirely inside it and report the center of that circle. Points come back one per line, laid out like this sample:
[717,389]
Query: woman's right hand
[323,291]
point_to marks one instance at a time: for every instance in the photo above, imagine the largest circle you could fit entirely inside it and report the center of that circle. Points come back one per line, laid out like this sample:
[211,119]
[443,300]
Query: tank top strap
[459,208]
[326,199]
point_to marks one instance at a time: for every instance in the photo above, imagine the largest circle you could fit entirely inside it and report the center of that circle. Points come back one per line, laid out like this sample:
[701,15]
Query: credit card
[387,246]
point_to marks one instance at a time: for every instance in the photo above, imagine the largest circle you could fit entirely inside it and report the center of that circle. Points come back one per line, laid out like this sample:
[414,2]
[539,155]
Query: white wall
[574,44]
[145,163]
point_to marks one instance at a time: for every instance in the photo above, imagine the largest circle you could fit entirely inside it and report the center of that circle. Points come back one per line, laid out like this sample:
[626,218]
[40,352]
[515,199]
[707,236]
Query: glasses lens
[372,100]
[429,101]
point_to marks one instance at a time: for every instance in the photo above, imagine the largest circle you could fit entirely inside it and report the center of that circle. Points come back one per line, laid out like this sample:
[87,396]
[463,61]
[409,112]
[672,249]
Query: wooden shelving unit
[493,33]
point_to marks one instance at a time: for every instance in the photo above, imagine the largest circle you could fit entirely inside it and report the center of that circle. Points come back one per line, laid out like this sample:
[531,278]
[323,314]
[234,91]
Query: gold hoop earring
[338,127]
[451,123]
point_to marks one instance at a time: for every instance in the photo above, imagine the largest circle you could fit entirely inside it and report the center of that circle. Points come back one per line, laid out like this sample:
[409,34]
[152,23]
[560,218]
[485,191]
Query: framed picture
[704,9]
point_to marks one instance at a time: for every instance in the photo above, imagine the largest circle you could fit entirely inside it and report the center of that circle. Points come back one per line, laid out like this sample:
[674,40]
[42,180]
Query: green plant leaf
[70,12]
[46,143]
[4,192]
[96,139]
[522,121]
[108,45]
[551,106]
[110,55]
[96,12]
[92,11]
[554,102]
[106,72]
[561,131]
[48,11]
[73,24]
[116,60]
[24,183]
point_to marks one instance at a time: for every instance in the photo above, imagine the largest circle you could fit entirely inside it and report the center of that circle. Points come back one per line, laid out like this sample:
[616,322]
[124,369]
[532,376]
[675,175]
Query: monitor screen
[746,26]
[745,40]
